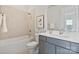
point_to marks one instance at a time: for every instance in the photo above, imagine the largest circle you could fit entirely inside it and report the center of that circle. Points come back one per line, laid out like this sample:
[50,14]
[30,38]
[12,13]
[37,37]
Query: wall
[17,22]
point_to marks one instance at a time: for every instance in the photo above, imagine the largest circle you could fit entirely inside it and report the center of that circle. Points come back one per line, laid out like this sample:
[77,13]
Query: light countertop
[72,38]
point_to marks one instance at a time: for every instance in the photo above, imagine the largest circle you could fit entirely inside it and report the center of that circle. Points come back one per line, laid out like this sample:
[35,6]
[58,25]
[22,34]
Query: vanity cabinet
[50,48]
[61,46]
[45,47]
[49,45]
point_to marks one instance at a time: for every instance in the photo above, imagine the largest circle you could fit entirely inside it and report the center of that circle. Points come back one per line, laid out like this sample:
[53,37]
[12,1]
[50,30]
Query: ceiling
[28,8]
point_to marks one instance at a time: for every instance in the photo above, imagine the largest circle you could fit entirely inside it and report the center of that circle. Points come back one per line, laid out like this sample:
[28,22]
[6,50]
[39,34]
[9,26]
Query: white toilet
[32,47]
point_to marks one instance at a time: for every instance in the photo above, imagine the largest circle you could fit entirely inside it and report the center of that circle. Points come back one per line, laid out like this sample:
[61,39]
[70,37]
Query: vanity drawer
[59,42]
[75,47]
[43,38]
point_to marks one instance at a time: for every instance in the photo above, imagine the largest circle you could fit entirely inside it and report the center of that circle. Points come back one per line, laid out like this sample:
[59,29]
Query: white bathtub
[14,45]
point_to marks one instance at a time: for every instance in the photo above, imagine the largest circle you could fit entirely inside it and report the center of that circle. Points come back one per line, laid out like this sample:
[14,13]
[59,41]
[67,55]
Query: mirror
[62,17]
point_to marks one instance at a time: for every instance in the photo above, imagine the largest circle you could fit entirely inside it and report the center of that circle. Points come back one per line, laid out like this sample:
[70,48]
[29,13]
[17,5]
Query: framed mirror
[63,17]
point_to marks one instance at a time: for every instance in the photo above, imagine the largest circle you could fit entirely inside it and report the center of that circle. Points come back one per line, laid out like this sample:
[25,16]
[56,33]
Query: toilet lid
[33,43]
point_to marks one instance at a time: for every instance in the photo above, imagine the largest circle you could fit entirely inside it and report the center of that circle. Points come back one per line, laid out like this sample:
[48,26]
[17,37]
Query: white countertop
[72,38]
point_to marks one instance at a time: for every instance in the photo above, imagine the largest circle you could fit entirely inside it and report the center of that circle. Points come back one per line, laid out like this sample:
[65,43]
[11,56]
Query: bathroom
[33,29]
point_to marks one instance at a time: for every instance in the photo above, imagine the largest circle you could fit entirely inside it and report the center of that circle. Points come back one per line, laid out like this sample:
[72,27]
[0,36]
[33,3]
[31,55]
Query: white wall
[17,22]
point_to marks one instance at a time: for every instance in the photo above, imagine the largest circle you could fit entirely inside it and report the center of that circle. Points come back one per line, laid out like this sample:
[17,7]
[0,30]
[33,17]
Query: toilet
[32,47]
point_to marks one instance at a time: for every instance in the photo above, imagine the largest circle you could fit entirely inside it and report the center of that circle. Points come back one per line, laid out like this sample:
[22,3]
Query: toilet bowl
[32,47]
[32,44]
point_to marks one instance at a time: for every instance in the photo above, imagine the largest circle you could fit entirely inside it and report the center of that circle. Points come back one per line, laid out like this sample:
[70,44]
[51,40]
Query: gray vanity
[50,45]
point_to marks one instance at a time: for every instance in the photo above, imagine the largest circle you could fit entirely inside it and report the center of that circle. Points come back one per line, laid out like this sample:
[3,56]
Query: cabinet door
[75,47]
[41,47]
[59,42]
[60,50]
[72,52]
[49,49]
[42,40]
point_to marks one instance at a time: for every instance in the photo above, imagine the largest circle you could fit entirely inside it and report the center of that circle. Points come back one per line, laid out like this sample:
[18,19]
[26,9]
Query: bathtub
[16,45]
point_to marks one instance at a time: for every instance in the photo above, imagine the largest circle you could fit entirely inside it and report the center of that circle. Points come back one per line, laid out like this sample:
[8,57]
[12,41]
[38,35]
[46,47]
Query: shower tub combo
[15,45]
